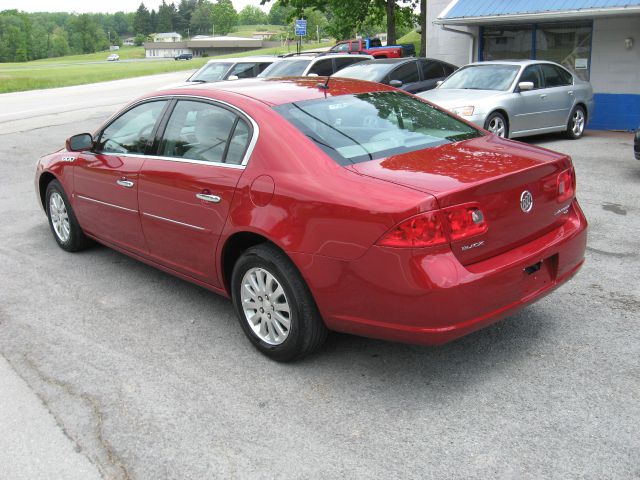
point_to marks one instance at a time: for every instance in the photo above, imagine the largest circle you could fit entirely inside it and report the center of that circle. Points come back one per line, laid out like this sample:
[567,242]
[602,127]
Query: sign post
[301,31]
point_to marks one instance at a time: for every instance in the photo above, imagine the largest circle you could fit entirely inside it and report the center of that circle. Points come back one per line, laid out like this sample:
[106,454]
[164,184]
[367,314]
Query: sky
[110,6]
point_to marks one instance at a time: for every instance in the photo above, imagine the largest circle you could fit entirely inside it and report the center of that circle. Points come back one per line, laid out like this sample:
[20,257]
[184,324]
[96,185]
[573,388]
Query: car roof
[278,91]
[319,56]
[512,62]
[255,58]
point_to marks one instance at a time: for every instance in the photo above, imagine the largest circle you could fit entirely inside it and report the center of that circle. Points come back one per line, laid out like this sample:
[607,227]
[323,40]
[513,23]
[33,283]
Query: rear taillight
[566,185]
[424,230]
[465,221]
[436,228]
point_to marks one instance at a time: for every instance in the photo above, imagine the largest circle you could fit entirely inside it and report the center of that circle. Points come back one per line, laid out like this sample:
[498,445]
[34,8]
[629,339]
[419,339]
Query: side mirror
[233,77]
[439,82]
[396,83]
[525,86]
[79,143]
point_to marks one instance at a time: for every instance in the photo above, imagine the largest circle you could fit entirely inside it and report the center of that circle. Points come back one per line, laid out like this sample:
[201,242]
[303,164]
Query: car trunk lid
[491,172]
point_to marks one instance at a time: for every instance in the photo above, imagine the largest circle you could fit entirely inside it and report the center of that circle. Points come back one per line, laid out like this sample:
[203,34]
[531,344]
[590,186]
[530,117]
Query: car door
[185,191]
[408,74]
[529,106]
[106,178]
[431,72]
[559,95]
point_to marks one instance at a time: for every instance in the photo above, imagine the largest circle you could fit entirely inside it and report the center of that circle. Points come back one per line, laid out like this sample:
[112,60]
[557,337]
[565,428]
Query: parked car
[410,74]
[517,98]
[114,57]
[184,56]
[374,47]
[311,64]
[232,68]
[351,206]
[636,144]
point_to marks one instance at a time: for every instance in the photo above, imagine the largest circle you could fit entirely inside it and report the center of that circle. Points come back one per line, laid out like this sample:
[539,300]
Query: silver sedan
[517,98]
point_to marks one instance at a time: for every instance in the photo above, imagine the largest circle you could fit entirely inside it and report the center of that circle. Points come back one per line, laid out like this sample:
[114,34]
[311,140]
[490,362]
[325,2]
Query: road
[151,377]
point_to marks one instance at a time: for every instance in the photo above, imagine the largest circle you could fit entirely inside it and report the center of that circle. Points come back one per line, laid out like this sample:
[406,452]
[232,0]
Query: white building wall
[614,68]
[450,47]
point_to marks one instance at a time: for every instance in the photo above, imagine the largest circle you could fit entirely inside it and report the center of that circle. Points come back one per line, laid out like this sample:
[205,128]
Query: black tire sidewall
[76,240]
[294,289]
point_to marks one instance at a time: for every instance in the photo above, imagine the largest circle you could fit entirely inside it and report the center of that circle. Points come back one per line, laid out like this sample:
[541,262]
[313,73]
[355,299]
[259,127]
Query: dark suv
[184,56]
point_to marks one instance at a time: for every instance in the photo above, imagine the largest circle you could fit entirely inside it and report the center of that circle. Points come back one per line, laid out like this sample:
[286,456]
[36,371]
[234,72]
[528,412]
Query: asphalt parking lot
[151,377]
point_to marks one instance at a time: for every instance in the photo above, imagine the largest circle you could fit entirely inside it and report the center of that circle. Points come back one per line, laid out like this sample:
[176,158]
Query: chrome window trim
[175,221]
[241,165]
[105,203]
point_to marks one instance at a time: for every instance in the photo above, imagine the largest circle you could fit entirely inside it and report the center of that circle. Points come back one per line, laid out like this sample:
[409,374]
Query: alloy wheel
[59,217]
[497,126]
[577,122]
[265,306]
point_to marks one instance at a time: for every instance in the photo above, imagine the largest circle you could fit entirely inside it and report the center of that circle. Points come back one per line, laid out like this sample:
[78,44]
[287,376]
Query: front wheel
[62,220]
[577,121]
[497,124]
[274,305]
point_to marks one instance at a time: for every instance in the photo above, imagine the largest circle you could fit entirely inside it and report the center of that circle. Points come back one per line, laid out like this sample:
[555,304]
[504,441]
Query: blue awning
[484,11]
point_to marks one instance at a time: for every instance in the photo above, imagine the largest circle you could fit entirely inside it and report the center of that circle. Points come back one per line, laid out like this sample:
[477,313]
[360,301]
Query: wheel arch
[43,182]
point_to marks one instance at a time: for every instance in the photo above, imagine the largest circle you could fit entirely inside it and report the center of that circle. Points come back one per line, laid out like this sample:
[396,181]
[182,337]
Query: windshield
[364,71]
[483,77]
[286,68]
[367,126]
[211,72]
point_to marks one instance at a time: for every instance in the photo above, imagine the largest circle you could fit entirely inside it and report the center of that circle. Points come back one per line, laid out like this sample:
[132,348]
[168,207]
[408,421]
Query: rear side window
[345,62]
[262,67]
[243,70]
[555,76]
[131,131]
[407,73]
[286,68]
[198,131]
[431,70]
[322,68]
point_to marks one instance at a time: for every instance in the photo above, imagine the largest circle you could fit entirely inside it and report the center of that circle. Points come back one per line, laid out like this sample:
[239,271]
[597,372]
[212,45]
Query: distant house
[264,35]
[167,37]
[201,45]
[129,41]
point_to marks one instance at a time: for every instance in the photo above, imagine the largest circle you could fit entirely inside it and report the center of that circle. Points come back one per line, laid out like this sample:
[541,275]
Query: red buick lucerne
[340,205]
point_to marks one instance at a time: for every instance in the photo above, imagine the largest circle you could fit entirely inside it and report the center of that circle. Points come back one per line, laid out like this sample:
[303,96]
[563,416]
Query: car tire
[274,305]
[576,124]
[64,225]
[497,124]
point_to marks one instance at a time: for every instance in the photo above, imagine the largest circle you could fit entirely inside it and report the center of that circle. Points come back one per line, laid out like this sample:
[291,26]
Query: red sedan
[349,206]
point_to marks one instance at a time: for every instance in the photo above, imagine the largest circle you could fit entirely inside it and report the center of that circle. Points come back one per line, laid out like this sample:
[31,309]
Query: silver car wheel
[265,306]
[497,126]
[59,217]
[577,122]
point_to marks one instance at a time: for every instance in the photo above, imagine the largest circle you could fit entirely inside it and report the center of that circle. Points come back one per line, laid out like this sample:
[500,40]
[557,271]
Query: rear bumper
[428,297]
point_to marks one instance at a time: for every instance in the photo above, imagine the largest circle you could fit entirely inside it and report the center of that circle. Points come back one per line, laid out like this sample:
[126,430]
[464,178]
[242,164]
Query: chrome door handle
[205,197]
[125,183]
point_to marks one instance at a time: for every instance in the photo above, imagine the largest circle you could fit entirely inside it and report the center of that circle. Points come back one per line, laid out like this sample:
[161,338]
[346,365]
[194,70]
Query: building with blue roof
[597,39]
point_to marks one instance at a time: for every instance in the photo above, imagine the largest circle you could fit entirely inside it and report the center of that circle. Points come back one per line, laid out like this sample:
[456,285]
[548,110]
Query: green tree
[225,17]
[120,23]
[280,14]
[59,43]
[142,21]
[166,15]
[252,15]
[202,18]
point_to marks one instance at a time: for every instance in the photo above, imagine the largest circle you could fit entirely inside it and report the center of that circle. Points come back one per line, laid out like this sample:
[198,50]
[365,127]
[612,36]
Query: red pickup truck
[373,46]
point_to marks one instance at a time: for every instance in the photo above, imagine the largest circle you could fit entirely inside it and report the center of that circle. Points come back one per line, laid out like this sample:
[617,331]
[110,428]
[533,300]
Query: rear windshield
[368,126]
[365,71]
[211,72]
[286,68]
[482,77]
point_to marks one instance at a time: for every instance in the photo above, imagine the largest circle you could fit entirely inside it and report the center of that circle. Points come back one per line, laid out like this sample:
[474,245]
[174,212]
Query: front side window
[532,74]
[483,77]
[198,131]
[341,47]
[243,70]
[407,73]
[131,131]
[368,126]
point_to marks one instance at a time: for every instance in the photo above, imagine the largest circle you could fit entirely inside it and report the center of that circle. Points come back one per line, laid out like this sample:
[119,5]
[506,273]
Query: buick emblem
[526,201]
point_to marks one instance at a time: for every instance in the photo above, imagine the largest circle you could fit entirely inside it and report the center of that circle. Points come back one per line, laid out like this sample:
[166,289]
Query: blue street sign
[301,28]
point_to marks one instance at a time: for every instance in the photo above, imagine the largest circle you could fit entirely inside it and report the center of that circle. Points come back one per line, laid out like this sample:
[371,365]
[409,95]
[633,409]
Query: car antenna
[325,85]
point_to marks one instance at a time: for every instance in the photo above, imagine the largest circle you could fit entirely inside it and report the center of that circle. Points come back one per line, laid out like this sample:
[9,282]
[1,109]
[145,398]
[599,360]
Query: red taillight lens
[423,230]
[566,185]
[465,221]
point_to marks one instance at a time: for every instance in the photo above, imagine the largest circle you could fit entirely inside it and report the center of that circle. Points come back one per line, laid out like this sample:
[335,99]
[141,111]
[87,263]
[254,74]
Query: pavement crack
[612,254]
[94,405]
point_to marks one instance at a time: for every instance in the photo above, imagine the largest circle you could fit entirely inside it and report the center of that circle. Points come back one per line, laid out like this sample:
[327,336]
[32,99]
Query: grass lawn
[92,68]
[412,37]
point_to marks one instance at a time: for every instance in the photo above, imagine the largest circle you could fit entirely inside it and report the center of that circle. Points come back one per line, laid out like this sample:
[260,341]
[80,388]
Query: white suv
[312,64]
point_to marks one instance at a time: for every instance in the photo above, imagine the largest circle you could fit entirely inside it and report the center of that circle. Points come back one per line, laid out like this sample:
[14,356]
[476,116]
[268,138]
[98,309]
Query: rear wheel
[497,124]
[62,220]
[274,305]
[577,121]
